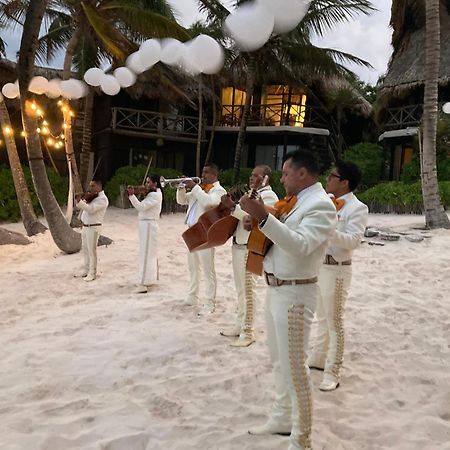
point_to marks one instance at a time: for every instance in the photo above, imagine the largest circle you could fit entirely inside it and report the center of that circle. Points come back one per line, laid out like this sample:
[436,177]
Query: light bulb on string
[7,131]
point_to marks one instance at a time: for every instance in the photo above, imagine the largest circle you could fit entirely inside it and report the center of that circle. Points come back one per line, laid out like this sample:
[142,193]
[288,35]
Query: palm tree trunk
[86,147]
[64,237]
[29,218]
[249,88]
[435,215]
[200,127]
[209,153]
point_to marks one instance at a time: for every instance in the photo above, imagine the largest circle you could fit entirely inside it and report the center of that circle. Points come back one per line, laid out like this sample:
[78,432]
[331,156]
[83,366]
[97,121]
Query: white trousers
[246,303]
[202,260]
[148,252]
[89,240]
[293,393]
[334,283]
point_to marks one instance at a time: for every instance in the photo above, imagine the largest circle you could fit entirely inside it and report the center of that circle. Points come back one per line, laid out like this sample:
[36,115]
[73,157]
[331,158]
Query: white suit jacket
[269,198]
[352,221]
[202,200]
[150,207]
[94,212]
[300,239]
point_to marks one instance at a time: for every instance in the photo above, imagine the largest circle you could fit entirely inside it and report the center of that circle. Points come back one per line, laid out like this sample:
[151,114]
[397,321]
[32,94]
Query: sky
[367,37]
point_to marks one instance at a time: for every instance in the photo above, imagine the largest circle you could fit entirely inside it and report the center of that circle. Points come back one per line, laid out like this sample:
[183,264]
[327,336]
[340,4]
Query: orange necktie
[338,203]
[207,187]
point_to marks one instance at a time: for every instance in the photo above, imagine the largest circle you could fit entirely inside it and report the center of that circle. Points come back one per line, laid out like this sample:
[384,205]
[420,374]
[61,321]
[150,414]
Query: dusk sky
[366,37]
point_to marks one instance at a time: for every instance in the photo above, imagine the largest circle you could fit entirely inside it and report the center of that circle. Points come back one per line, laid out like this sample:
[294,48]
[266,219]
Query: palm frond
[55,39]
[214,10]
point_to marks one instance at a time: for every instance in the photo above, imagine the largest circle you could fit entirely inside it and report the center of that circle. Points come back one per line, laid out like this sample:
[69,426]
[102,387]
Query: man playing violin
[93,205]
[306,219]
[245,281]
[149,210]
[336,272]
[199,199]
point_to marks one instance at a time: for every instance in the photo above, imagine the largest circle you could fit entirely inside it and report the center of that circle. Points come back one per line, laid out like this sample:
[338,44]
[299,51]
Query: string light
[7,131]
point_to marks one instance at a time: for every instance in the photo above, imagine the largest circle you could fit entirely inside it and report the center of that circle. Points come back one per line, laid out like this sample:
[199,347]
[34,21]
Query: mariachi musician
[93,205]
[245,281]
[149,212]
[201,197]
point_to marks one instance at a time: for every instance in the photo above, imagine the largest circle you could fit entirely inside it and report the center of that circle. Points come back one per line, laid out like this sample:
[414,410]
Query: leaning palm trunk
[29,218]
[249,88]
[435,215]
[200,126]
[209,153]
[65,238]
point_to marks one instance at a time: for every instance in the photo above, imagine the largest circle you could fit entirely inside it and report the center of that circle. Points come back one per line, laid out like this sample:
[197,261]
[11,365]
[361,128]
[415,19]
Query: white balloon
[109,85]
[188,61]
[287,13]
[10,90]
[150,53]
[70,89]
[134,63]
[446,108]
[207,53]
[250,26]
[38,85]
[53,88]
[93,76]
[171,51]
[125,77]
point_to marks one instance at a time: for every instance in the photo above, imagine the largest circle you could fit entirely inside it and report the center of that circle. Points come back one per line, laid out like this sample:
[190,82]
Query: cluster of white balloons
[252,24]
[202,54]
[71,89]
[446,108]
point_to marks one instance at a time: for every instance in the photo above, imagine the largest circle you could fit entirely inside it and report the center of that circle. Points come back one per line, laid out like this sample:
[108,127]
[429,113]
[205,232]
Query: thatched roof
[406,67]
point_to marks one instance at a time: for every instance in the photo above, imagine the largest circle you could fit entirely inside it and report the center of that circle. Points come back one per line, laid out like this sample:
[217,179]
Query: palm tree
[435,215]
[64,237]
[288,55]
[29,218]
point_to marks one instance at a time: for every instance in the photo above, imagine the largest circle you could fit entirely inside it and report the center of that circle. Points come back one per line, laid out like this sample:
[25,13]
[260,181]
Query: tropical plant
[288,55]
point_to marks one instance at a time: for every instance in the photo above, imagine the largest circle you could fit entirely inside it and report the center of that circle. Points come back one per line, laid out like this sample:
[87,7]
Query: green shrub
[9,207]
[398,197]
[369,158]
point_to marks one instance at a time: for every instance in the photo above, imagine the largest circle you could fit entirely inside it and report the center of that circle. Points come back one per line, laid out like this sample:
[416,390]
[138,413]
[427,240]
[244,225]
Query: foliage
[369,158]
[411,172]
[398,197]
[9,207]
[368,91]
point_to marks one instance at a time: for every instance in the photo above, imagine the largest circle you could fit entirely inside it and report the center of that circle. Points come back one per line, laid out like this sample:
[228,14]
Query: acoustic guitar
[214,227]
[258,243]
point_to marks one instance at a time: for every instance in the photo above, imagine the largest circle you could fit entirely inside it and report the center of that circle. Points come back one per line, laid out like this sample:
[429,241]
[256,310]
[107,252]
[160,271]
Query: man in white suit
[245,281]
[291,266]
[200,199]
[336,272]
[93,211]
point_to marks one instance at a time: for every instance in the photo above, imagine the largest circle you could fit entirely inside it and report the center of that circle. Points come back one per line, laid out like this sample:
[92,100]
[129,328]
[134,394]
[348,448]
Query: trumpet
[177,181]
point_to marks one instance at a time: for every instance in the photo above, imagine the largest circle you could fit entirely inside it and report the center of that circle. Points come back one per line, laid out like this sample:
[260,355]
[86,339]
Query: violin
[89,196]
[139,190]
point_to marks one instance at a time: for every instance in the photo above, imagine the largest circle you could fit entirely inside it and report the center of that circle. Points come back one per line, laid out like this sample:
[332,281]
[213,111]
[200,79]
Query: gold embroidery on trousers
[300,379]
[338,326]
[249,303]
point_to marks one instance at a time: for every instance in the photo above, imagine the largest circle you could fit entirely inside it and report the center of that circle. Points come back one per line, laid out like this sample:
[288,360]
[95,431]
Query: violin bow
[148,168]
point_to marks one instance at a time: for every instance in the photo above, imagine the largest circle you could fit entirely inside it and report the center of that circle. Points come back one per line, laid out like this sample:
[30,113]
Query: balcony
[275,115]
[134,122]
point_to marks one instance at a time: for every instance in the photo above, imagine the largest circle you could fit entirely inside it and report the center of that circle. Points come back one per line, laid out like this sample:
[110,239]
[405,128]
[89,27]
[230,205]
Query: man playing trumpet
[201,198]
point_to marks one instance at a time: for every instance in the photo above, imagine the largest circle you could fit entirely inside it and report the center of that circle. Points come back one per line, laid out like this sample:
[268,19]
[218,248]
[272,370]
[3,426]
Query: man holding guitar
[245,281]
[199,199]
[291,267]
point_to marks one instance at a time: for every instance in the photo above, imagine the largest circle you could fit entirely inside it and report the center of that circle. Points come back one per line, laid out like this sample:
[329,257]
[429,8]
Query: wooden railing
[274,115]
[405,116]
[154,123]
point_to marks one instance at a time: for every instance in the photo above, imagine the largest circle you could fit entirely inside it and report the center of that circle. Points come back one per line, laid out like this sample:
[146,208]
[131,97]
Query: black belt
[331,261]
[92,225]
[272,280]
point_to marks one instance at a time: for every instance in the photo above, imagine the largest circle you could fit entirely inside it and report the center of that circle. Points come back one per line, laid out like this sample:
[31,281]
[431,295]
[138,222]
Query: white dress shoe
[328,385]
[206,309]
[243,342]
[232,332]
[89,277]
[271,427]
[190,301]
[141,289]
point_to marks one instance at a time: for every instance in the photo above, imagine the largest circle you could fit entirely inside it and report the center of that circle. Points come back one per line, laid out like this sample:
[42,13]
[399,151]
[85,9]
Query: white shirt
[93,212]
[150,207]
